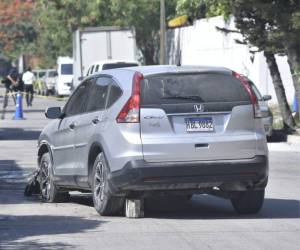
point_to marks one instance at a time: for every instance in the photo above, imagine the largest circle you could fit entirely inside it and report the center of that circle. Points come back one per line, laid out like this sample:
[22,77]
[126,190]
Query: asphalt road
[205,222]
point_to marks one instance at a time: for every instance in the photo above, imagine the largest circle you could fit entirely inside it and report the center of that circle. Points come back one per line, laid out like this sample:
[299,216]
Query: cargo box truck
[101,43]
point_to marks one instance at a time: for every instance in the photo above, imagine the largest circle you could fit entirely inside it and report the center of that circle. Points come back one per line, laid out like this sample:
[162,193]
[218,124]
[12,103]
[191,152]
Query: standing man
[11,87]
[28,79]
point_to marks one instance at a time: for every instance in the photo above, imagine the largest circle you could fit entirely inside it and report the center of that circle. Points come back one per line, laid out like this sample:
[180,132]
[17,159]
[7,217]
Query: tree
[17,32]
[286,18]
[197,9]
[57,20]
[144,16]
[259,32]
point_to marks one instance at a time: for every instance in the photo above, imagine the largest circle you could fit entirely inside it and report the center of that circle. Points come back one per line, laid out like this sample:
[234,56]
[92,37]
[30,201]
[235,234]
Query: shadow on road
[207,207]
[12,177]
[278,135]
[13,134]
[18,228]
[210,207]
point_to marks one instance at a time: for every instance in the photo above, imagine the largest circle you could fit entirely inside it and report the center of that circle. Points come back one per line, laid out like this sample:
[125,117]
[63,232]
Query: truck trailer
[101,43]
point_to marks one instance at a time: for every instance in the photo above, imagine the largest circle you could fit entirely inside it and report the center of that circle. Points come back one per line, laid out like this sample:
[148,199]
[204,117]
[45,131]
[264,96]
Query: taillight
[130,113]
[253,98]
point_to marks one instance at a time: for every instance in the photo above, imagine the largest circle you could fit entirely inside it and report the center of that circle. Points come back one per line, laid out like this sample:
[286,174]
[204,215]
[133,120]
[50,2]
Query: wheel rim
[99,183]
[45,180]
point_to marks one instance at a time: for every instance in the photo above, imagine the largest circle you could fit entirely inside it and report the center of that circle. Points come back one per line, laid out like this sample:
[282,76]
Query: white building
[203,44]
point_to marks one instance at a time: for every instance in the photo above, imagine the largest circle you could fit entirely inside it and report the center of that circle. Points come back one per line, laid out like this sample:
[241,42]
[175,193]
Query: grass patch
[277,119]
[277,124]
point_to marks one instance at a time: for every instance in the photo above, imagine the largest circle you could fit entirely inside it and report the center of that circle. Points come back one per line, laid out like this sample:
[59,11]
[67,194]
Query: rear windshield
[52,73]
[41,74]
[187,88]
[67,69]
[118,65]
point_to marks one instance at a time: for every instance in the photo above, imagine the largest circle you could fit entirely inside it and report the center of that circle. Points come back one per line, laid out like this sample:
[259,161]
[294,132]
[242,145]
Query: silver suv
[153,130]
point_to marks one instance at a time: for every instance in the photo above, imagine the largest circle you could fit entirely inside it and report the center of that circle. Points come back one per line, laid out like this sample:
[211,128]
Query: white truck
[101,43]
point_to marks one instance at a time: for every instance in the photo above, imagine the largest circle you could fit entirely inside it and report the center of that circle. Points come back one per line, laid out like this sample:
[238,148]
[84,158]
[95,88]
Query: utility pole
[162,32]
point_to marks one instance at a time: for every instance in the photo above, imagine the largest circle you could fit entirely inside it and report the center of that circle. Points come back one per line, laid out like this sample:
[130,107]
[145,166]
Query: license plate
[199,124]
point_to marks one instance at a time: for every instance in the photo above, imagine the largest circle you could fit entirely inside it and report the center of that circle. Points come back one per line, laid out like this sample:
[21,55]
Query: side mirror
[80,78]
[267,97]
[53,113]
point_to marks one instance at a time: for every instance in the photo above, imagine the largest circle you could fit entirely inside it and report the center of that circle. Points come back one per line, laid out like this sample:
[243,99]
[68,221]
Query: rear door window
[52,74]
[191,88]
[41,74]
[77,102]
[98,93]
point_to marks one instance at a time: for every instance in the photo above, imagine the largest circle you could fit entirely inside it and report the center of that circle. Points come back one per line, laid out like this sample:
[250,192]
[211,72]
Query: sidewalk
[294,140]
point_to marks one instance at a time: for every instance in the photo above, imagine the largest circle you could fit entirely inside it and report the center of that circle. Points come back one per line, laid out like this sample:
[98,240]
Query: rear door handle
[95,121]
[72,125]
[201,145]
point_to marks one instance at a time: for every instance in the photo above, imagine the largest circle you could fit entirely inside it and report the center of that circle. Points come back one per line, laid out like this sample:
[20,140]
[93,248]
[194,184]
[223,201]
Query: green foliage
[266,24]
[296,20]
[17,32]
[197,9]
[58,19]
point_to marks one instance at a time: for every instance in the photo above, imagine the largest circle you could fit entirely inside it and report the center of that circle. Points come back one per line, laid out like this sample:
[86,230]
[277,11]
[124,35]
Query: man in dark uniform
[11,87]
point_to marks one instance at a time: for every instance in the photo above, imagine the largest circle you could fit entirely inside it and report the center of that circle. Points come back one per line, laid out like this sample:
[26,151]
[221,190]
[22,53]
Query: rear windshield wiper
[184,97]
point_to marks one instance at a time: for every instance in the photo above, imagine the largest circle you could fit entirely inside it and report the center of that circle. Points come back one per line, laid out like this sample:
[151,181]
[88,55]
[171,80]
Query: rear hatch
[196,116]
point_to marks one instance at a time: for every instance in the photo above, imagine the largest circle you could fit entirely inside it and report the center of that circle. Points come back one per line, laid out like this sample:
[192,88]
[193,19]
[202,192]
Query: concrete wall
[203,44]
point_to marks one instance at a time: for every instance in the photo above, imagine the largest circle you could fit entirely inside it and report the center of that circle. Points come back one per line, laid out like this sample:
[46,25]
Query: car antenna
[179,59]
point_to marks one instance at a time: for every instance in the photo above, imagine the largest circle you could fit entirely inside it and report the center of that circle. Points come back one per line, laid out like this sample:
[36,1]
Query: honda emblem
[199,107]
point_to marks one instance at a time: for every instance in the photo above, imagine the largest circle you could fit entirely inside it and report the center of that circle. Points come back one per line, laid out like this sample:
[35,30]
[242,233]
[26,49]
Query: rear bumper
[141,176]
[63,91]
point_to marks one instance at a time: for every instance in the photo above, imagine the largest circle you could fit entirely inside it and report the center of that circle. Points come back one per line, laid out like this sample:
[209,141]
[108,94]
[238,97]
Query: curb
[293,139]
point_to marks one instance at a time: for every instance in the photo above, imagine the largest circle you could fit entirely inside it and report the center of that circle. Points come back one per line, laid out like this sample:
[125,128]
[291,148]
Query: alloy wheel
[45,180]
[99,183]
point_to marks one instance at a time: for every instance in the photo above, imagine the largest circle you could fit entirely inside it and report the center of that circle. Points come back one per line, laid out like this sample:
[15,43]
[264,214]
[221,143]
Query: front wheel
[104,202]
[248,202]
[49,191]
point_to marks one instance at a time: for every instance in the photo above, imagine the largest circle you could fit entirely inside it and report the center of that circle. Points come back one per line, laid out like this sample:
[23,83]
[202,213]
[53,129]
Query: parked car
[50,80]
[38,83]
[109,64]
[157,130]
[267,115]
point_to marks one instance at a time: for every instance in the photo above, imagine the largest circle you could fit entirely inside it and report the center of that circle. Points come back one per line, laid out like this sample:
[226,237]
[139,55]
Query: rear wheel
[248,202]
[104,202]
[49,191]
